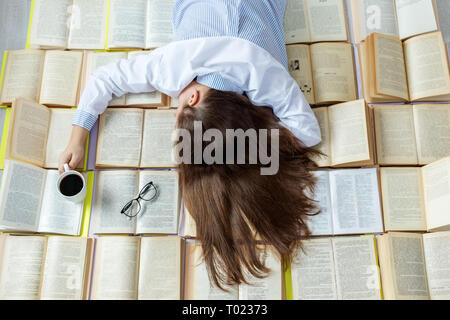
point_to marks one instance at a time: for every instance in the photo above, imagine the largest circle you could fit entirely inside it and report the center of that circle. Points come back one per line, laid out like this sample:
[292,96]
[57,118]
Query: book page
[403,204]
[312,271]
[96,60]
[146,98]
[28,132]
[348,132]
[395,135]
[159,215]
[197,285]
[296,28]
[120,138]
[299,61]
[127,23]
[269,288]
[357,275]
[88,24]
[427,66]
[58,138]
[59,215]
[49,27]
[377,16]
[64,268]
[415,17]
[327,20]
[22,267]
[322,223]
[432,124]
[408,266]
[436,185]
[333,72]
[189,227]
[22,76]
[61,77]
[114,189]
[116,269]
[390,70]
[324,146]
[437,259]
[355,201]
[159,23]
[157,144]
[160,268]
[20,196]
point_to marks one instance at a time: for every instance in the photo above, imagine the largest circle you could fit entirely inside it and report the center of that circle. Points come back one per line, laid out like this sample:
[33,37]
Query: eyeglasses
[148,193]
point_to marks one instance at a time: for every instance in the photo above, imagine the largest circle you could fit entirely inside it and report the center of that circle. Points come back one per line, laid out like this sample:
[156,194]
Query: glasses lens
[131,209]
[149,192]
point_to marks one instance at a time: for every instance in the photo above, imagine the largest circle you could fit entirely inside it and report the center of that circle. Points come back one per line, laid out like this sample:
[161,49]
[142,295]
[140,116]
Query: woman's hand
[74,152]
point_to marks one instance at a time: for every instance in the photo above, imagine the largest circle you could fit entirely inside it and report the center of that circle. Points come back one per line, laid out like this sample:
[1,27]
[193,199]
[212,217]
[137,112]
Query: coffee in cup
[71,185]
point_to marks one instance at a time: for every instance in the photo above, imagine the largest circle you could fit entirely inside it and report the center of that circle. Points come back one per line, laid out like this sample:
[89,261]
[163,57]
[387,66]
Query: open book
[415,266]
[38,134]
[49,77]
[135,138]
[412,134]
[417,199]
[343,268]
[140,23]
[350,202]
[84,24]
[29,202]
[73,24]
[129,268]
[47,268]
[114,189]
[400,18]
[95,60]
[197,285]
[347,135]
[325,72]
[315,20]
[415,70]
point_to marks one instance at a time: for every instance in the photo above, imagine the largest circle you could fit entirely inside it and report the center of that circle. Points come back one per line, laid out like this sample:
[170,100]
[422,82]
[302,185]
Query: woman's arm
[74,152]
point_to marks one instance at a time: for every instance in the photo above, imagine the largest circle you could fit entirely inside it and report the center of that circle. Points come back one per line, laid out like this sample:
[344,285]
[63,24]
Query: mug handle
[66,167]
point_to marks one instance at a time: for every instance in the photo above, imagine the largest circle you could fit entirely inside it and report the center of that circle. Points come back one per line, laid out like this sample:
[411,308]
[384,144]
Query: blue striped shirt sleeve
[84,119]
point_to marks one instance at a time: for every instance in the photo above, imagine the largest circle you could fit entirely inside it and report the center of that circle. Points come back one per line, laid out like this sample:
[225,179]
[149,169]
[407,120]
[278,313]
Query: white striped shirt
[230,45]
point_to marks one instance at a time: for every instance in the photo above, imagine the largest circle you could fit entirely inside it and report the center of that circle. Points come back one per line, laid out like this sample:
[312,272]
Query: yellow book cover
[288,281]
[4,137]
[107,25]
[87,205]
[28,45]
[2,72]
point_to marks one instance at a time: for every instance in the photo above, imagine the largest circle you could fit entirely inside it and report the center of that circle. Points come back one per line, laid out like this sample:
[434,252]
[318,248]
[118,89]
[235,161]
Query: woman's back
[258,21]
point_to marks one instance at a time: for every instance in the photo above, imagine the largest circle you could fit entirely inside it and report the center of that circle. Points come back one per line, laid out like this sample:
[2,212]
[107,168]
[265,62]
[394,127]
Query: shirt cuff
[84,119]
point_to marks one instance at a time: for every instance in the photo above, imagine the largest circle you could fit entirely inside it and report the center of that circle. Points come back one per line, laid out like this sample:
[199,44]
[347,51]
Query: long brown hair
[231,202]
